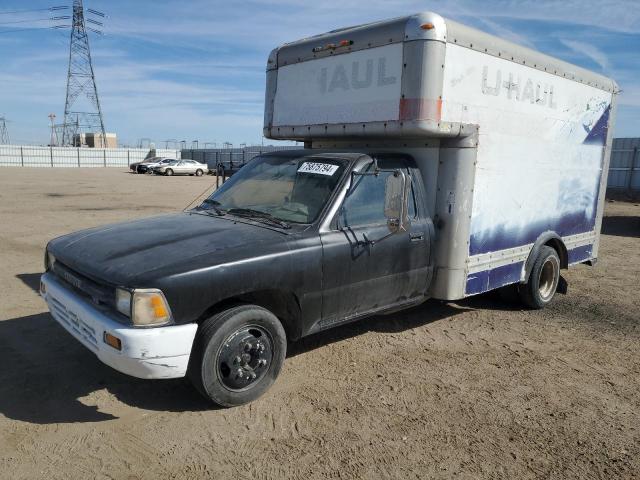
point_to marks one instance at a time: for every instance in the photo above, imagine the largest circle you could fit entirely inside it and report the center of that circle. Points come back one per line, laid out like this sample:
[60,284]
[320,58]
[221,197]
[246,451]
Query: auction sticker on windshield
[319,168]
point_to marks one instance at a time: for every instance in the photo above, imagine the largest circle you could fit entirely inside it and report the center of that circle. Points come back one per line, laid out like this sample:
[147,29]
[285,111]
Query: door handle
[417,237]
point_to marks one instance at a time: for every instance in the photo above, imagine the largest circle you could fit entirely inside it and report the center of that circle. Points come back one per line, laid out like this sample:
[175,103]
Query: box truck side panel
[540,160]
[363,86]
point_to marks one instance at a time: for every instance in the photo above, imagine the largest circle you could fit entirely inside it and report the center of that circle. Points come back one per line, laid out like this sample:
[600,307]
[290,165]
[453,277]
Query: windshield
[284,188]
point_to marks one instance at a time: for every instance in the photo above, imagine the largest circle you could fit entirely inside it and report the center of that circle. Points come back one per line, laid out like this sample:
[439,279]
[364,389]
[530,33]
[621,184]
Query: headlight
[145,307]
[49,260]
[123,301]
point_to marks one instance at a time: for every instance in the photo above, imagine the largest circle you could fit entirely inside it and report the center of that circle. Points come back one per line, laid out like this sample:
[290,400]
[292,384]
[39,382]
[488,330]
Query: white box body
[513,145]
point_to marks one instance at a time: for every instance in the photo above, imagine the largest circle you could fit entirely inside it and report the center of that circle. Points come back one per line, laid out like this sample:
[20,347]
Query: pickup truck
[439,162]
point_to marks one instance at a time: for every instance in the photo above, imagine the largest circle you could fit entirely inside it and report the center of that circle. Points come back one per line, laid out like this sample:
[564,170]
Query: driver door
[360,276]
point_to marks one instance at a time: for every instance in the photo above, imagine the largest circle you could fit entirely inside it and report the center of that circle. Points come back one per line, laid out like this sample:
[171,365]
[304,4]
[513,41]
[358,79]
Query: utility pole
[4,133]
[82,81]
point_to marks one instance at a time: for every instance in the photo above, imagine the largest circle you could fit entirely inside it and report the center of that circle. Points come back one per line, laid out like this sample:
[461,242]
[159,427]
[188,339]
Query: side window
[365,203]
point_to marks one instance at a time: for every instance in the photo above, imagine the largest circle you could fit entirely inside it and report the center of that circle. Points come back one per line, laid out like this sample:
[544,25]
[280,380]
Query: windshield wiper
[258,214]
[214,205]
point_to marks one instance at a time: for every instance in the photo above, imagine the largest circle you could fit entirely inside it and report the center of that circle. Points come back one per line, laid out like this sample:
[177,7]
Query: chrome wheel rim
[548,278]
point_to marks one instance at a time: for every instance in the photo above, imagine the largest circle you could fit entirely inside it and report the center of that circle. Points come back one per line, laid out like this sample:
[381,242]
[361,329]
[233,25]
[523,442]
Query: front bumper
[158,352]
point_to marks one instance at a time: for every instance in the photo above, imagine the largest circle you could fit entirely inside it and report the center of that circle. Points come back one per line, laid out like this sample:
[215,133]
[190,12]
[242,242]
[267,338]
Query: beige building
[95,140]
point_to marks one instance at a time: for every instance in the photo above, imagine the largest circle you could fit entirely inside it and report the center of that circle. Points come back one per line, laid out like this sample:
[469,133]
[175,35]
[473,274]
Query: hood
[137,253]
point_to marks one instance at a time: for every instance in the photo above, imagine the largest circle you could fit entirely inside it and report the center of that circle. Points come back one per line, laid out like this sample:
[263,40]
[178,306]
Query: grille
[73,322]
[97,293]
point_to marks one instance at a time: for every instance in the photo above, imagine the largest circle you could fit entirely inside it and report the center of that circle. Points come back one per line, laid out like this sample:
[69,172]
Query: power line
[36,20]
[55,27]
[50,9]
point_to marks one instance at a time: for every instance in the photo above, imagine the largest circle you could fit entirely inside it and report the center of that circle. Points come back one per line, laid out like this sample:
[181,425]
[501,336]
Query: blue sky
[195,69]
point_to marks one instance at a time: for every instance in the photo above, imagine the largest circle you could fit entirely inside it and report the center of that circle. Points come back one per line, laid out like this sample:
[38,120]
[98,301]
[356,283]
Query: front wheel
[199,173]
[237,355]
[168,172]
[543,281]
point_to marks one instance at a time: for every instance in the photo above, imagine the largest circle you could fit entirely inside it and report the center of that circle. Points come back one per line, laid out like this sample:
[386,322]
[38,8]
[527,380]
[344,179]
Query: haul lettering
[360,75]
[515,88]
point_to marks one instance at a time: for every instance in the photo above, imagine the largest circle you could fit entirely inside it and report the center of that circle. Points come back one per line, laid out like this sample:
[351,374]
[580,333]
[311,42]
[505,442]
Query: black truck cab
[294,243]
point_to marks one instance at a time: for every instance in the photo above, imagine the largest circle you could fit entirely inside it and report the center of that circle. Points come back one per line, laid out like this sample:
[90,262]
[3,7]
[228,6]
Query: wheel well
[550,239]
[283,305]
[558,245]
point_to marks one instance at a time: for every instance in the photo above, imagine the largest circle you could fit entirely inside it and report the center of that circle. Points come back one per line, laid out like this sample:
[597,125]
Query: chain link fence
[230,158]
[624,168]
[28,156]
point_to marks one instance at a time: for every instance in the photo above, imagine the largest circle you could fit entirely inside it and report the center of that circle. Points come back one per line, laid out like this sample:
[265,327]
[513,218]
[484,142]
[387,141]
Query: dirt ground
[472,389]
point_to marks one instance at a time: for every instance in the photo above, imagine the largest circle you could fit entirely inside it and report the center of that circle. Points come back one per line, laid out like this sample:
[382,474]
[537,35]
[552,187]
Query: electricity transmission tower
[81,81]
[4,134]
[53,140]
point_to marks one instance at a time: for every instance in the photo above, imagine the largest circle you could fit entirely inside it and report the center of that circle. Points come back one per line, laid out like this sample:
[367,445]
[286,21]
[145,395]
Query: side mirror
[396,194]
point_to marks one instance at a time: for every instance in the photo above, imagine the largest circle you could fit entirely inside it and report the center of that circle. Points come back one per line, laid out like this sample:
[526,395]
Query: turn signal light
[112,341]
[427,26]
[159,310]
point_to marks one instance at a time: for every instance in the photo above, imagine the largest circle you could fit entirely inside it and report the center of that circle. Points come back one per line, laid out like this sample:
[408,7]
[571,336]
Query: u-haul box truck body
[513,145]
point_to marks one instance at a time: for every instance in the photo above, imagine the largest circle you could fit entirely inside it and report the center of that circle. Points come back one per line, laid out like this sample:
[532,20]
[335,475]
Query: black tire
[168,172]
[539,290]
[241,326]
[199,173]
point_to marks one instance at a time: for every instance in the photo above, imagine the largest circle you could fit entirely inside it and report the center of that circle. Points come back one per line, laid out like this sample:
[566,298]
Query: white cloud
[267,19]
[507,34]
[196,68]
[589,51]
[630,93]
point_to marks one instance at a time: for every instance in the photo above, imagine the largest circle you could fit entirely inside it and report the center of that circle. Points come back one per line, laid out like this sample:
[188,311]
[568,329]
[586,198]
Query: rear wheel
[543,280]
[199,173]
[237,355]
[168,172]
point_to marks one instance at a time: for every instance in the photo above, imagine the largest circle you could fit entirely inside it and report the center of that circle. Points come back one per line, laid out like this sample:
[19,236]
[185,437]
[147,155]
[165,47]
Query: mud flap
[563,285]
